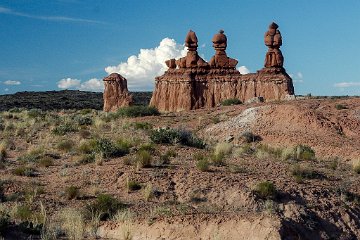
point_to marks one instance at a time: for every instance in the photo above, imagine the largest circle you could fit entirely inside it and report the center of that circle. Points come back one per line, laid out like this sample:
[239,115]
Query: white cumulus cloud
[12,82]
[347,84]
[140,70]
[67,83]
[94,85]
[243,70]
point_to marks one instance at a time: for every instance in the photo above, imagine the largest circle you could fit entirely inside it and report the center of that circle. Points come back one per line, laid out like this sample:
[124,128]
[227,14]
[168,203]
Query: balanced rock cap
[219,37]
[273,25]
[191,39]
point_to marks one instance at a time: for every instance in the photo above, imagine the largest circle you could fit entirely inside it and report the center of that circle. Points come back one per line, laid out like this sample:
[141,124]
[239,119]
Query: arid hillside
[278,170]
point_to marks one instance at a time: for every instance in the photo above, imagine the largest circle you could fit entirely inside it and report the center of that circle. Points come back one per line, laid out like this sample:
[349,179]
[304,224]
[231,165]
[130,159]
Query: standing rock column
[116,94]
[273,40]
[221,60]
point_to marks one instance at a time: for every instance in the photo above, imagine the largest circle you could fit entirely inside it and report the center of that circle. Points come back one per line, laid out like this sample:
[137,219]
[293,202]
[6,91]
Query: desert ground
[275,170]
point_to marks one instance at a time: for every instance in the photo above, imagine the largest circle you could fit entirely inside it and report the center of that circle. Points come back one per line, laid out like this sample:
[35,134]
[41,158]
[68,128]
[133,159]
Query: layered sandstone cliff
[116,93]
[200,85]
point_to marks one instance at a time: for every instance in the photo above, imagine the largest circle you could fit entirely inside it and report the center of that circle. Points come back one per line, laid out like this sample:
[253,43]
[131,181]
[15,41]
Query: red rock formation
[273,40]
[193,85]
[221,60]
[116,94]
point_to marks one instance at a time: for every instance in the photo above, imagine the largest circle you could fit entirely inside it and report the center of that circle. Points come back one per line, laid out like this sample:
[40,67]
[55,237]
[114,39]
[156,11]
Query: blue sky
[52,45]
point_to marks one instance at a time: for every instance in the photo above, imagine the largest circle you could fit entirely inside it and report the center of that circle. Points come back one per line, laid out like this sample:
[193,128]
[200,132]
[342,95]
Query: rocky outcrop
[190,83]
[116,93]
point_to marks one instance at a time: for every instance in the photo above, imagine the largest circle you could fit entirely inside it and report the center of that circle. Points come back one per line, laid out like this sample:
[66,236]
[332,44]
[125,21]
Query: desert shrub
[138,111]
[85,111]
[173,136]
[72,223]
[147,147]
[108,149]
[340,107]
[46,161]
[243,149]
[304,152]
[83,133]
[250,137]
[65,128]
[132,185]
[87,147]
[21,213]
[265,190]
[218,159]
[32,155]
[104,206]
[143,159]
[299,173]
[203,165]
[148,192]
[223,148]
[124,145]
[3,151]
[72,192]
[230,101]
[24,171]
[356,166]
[86,158]
[35,113]
[141,125]
[83,120]
[66,145]
[265,151]
[236,169]
[220,151]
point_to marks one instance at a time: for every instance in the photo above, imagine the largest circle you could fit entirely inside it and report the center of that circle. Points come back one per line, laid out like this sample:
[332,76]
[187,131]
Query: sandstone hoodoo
[116,93]
[191,83]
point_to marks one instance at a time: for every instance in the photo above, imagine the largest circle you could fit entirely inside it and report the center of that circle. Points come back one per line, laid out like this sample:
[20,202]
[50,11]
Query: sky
[73,44]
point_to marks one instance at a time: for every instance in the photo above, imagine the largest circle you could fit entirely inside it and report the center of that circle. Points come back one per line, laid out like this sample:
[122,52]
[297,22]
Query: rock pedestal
[191,83]
[116,94]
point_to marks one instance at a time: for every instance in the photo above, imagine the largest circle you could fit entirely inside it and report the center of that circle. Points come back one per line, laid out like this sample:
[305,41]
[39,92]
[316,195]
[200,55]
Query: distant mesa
[192,83]
[116,94]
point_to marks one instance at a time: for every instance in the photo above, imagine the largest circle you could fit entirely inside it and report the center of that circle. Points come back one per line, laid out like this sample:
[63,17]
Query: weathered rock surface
[116,93]
[187,89]
[191,83]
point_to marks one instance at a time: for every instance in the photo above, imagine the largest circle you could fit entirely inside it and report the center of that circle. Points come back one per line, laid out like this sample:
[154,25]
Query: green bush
[173,136]
[230,101]
[24,171]
[299,173]
[64,129]
[105,206]
[203,165]
[138,111]
[304,152]
[340,107]
[86,158]
[72,192]
[218,159]
[46,161]
[265,190]
[66,145]
[143,159]
[23,213]
[109,150]
[141,125]
[35,113]
[83,120]
[133,185]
